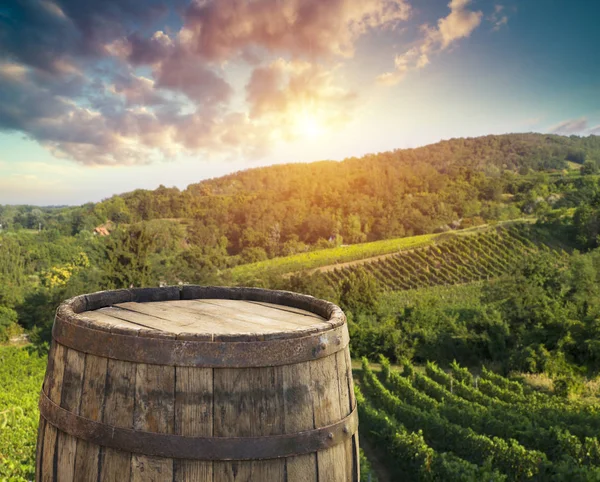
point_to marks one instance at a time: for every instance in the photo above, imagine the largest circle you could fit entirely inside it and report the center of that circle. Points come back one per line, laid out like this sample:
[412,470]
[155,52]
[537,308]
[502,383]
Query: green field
[21,376]
[325,257]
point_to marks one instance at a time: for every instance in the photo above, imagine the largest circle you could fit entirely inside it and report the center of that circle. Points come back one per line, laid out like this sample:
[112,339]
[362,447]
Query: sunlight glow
[308,125]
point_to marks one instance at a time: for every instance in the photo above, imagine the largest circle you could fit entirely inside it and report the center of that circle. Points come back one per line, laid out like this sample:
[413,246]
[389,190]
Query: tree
[127,257]
[587,225]
[589,168]
[359,292]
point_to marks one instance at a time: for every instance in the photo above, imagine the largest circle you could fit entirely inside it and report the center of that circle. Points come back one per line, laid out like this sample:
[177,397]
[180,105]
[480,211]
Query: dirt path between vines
[374,459]
[331,267]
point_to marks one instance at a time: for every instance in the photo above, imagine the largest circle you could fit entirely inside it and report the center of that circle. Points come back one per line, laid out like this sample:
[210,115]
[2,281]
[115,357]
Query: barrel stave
[52,387]
[74,365]
[92,401]
[194,418]
[115,465]
[327,409]
[248,402]
[154,411]
[298,417]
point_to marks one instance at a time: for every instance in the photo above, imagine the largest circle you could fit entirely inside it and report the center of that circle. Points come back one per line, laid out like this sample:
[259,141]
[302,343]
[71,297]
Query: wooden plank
[39,449]
[52,388]
[269,313]
[237,319]
[248,402]
[153,412]
[193,319]
[135,318]
[230,321]
[70,400]
[290,309]
[193,417]
[102,317]
[298,416]
[202,316]
[355,444]
[345,407]
[115,465]
[92,400]
[350,379]
[327,410]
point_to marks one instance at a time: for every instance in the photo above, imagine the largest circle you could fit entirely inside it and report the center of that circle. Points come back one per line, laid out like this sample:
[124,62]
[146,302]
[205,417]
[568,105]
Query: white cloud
[458,24]
[570,126]
[498,18]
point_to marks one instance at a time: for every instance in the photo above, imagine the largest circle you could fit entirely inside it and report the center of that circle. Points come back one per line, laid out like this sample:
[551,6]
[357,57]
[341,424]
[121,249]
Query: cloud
[570,126]
[284,92]
[458,24]
[498,18]
[39,34]
[183,73]
[122,82]
[595,130]
[224,28]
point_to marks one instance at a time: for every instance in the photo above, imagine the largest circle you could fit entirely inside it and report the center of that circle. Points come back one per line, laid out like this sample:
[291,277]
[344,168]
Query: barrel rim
[74,309]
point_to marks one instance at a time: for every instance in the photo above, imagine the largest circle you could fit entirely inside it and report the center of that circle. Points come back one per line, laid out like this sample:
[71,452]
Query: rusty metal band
[198,448]
[191,353]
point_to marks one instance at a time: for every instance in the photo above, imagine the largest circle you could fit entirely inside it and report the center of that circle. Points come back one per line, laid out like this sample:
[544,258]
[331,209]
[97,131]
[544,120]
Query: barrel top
[216,316]
[200,312]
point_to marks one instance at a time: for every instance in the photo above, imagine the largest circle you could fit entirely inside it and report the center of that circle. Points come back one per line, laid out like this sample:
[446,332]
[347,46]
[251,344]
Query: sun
[308,125]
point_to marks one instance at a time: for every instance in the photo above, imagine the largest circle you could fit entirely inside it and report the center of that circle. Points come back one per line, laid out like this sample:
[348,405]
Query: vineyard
[21,375]
[434,425]
[456,259]
[326,259]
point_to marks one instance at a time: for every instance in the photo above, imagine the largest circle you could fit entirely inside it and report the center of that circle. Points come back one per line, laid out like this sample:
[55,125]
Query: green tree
[127,257]
[359,292]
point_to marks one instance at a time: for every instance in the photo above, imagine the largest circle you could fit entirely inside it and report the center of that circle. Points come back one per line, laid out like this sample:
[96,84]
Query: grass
[324,257]
[21,376]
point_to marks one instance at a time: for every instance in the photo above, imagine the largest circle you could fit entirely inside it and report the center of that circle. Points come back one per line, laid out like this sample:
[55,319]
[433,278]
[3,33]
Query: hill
[283,209]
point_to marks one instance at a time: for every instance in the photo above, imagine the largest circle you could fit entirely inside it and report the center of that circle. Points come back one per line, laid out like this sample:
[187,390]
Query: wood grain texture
[248,402]
[52,388]
[194,417]
[70,400]
[291,309]
[327,409]
[115,465]
[92,401]
[345,405]
[210,315]
[266,314]
[298,415]
[153,412]
[106,316]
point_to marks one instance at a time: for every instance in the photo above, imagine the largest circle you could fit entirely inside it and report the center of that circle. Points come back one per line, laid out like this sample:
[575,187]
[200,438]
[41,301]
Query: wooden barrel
[198,384]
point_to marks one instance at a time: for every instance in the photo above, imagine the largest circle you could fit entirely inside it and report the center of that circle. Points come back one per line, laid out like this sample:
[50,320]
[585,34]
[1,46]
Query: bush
[8,320]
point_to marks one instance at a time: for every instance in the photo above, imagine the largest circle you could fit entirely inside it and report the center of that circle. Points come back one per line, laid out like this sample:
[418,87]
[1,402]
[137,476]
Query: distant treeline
[281,209]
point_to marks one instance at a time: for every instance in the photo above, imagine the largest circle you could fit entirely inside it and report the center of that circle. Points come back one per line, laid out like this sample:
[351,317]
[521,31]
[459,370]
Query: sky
[103,97]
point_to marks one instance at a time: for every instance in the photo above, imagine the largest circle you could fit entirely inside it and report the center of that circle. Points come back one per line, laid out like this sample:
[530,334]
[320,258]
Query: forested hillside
[481,252]
[281,209]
